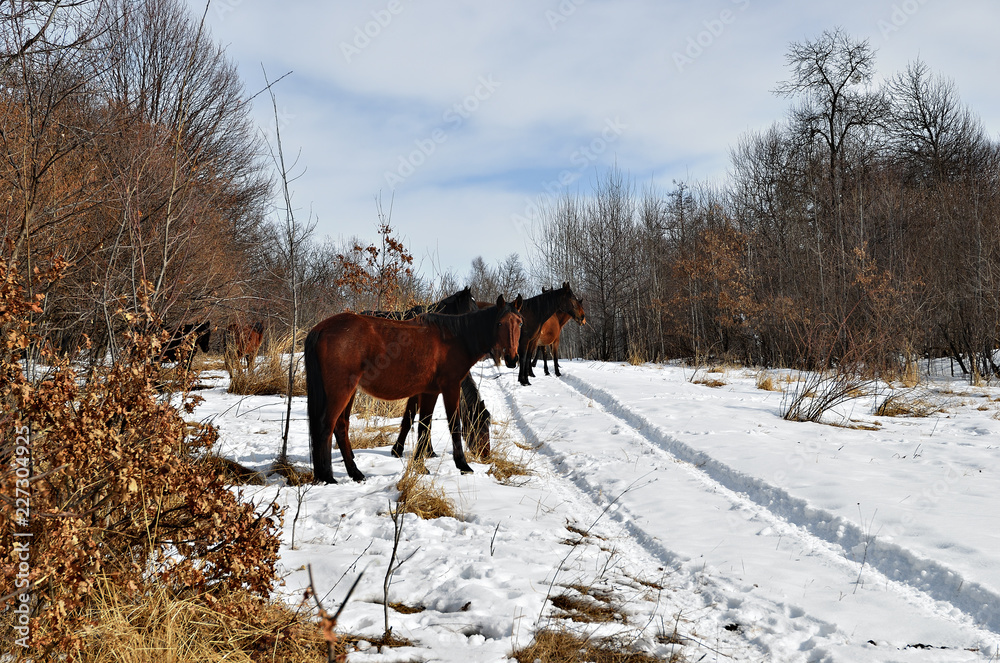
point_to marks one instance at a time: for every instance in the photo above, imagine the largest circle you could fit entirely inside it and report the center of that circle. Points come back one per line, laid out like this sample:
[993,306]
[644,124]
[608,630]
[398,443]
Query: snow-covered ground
[697,513]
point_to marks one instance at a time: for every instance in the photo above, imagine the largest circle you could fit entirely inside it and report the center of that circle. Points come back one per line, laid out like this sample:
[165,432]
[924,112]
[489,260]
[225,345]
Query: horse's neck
[563,317]
[544,306]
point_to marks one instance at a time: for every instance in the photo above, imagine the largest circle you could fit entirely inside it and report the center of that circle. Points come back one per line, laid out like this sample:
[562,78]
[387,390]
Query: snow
[696,510]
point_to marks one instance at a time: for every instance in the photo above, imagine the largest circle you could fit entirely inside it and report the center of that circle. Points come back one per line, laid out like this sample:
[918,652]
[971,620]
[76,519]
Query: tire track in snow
[895,563]
[720,594]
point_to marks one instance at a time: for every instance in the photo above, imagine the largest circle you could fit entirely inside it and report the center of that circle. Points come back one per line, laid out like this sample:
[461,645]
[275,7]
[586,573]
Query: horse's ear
[517,303]
[544,289]
[500,302]
[566,285]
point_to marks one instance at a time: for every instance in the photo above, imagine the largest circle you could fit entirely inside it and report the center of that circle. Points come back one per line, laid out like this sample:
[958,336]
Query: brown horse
[243,342]
[551,330]
[535,311]
[475,416]
[185,341]
[391,360]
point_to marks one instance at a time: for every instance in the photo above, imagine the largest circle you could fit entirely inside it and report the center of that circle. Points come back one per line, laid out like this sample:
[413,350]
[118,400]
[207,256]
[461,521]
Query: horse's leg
[424,448]
[544,351]
[555,357]
[475,419]
[409,414]
[522,375]
[525,360]
[340,430]
[451,396]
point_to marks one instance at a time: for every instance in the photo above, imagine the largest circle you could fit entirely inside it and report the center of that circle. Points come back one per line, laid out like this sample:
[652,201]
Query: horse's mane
[454,304]
[540,304]
[474,331]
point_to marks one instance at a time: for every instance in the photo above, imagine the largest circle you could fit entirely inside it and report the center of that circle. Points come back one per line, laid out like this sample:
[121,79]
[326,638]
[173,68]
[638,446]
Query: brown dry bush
[119,495]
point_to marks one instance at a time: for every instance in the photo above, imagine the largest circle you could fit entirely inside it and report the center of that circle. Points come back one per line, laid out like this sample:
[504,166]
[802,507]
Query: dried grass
[585,608]
[420,496]
[234,473]
[293,476]
[369,408]
[507,459]
[153,626]
[563,646]
[765,381]
[269,375]
[710,382]
[372,437]
[906,405]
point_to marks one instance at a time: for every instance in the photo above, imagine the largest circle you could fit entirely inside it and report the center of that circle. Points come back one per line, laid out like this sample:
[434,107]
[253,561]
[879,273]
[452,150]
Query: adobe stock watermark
[20,468]
[582,157]
[714,28]
[561,13]
[365,34]
[901,14]
[453,118]
[226,7]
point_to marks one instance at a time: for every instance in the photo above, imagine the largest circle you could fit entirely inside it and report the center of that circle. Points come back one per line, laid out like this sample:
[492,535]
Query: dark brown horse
[475,416]
[243,342]
[185,341]
[390,360]
[535,311]
[552,330]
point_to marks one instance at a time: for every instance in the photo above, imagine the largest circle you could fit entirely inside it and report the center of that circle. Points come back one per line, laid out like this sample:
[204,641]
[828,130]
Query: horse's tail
[319,415]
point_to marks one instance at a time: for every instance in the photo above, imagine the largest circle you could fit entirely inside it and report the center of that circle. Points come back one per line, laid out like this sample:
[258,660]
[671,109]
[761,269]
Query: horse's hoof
[326,481]
[468,471]
[359,477]
[397,453]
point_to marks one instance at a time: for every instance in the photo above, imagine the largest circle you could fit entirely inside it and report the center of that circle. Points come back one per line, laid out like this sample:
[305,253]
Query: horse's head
[509,323]
[577,311]
[204,335]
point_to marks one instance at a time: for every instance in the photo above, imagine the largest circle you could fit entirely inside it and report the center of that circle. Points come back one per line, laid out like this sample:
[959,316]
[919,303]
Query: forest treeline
[862,228]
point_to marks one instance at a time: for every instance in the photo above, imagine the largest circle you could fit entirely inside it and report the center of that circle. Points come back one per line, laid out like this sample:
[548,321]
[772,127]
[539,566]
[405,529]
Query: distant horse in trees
[390,360]
[535,311]
[190,337]
[242,342]
[551,331]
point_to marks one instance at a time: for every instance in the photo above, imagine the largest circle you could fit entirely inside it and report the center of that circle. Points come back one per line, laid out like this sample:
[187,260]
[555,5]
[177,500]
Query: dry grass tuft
[404,609]
[765,381]
[269,375]
[710,382]
[505,462]
[419,495]
[637,357]
[235,473]
[371,437]
[585,609]
[902,405]
[154,626]
[563,646]
[293,476]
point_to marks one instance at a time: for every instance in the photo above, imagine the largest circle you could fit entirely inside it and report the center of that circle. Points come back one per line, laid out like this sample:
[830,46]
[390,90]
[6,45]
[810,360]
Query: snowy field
[707,523]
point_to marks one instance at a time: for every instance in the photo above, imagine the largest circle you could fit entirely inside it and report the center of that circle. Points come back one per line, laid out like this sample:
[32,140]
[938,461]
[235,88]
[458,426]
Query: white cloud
[560,71]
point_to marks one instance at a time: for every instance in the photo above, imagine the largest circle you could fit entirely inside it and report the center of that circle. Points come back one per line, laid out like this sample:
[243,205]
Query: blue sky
[466,113]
